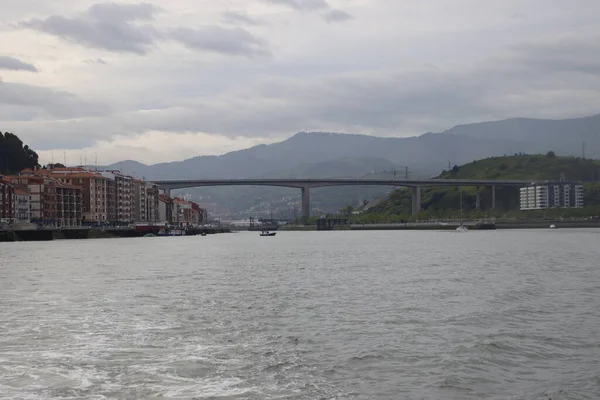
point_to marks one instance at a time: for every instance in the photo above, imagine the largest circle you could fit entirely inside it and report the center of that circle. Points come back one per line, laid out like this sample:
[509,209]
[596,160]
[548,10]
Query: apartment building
[165,209]
[538,196]
[51,201]
[152,193]
[7,201]
[69,210]
[94,190]
[121,189]
[186,213]
[22,213]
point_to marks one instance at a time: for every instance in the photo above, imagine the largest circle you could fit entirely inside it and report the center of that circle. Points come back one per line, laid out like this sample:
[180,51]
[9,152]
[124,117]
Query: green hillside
[445,202]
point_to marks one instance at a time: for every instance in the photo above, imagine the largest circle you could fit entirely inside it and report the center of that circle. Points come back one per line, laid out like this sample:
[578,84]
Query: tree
[14,157]
[551,154]
[347,210]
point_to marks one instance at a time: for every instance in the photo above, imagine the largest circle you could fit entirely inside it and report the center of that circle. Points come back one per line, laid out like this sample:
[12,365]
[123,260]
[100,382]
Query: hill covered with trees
[14,156]
[440,202]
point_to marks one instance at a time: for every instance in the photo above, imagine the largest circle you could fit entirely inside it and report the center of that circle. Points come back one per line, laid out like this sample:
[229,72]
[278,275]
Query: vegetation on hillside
[14,156]
[444,203]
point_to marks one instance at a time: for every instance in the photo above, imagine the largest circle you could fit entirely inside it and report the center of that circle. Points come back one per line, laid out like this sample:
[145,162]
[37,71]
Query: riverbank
[452,226]
[33,235]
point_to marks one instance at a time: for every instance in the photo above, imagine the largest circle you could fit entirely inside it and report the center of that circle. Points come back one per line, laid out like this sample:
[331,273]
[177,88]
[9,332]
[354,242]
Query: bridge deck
[314,183]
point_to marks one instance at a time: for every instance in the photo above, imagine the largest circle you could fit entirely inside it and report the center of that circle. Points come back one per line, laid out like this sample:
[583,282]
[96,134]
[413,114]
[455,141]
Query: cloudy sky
[161,81]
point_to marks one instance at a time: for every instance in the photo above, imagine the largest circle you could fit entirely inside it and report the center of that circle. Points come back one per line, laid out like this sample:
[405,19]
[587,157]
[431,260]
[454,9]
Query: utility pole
[582,149]
[394,174]
[406,172]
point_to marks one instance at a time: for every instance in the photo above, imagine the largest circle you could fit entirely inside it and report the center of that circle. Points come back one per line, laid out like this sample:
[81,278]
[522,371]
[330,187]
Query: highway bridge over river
[306,184]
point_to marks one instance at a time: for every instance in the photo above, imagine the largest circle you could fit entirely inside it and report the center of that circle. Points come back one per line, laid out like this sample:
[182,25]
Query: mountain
[444,202]
[319,154]
[428,153]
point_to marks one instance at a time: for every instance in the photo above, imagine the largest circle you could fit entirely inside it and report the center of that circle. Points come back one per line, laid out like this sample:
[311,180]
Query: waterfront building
[145,195]
[187,213]
[539,196]
[94,190]
[124,207]
[165,209]
[7,201]
[22,213]
[51,201]
[152,193]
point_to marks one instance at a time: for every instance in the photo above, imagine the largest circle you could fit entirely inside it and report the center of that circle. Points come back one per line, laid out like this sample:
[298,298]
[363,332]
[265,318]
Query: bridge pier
[416,200]
[305,204]
[477,200]
[493,197]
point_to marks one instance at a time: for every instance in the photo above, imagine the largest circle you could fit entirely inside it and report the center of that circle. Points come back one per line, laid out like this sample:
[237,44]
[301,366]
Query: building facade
[22,213]
[165,209]
[539,196]
[51,201]
[121,190]
[7,202]
[94,192]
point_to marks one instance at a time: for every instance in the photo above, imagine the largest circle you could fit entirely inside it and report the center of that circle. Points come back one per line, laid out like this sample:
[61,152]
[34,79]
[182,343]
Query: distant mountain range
[319,154]
[311,154]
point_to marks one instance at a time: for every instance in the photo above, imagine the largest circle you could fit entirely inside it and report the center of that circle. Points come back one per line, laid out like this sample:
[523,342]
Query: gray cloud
[301,5]
[39,102]
[12,64]
[234,41]
[235,17]
[337,16]
[107,26]
[96,61]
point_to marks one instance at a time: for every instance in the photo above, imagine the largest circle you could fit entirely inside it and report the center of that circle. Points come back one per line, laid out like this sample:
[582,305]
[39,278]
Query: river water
[304,315]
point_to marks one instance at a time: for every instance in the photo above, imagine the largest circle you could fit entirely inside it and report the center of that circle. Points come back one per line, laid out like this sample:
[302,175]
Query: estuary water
[304,315]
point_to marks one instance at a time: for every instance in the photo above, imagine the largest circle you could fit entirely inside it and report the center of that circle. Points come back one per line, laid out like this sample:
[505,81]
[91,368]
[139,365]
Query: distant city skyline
[157,82]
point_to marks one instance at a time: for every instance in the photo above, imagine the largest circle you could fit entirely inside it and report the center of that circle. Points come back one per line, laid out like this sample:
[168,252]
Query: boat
[267,233]
[202,233]
[552,226]
[461,227]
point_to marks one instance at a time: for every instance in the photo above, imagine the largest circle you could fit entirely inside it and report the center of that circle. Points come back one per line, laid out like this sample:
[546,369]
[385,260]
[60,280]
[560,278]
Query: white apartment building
[539,196]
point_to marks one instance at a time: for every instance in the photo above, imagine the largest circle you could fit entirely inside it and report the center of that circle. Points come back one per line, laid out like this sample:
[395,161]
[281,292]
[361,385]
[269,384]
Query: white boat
[462,228]
[552,226]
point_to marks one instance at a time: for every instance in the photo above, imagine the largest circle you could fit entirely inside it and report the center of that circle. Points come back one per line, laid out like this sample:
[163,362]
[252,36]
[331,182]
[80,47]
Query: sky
[162,81]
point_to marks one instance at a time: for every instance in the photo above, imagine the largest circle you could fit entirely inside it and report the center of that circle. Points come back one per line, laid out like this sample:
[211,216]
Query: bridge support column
[416,200]
[493,197]
[305,204]
[477,200]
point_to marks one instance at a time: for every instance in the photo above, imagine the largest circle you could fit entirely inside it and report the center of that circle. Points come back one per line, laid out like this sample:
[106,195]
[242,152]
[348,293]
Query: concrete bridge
[306,184]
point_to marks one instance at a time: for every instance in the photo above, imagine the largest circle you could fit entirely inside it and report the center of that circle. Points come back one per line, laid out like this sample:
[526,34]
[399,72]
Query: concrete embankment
[546,224]
[31,235]
[452,226]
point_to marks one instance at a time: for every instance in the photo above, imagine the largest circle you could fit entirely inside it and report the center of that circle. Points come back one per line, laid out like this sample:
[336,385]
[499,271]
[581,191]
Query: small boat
[267,233]
[202,233]
[462,228]
[552,226]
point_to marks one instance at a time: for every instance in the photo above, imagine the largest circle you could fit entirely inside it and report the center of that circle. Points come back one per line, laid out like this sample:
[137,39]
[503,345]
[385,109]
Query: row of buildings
[76,196]
[539,196]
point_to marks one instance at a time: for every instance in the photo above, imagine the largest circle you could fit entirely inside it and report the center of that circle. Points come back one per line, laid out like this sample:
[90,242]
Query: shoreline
[44,235]
[503,225]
